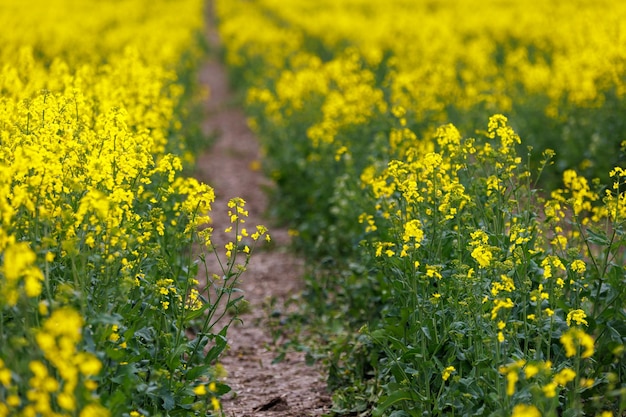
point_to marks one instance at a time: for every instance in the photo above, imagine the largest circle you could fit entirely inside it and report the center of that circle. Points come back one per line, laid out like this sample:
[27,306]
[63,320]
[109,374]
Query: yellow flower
[42,308]
[564,376]
[5,376]
[578,316]
[586,382]
[524,410]
[574,338]
[482,252]
[114,336]
[549,390]
[66,401]
[511,372]
[511,379]
[531,370]
[38,369]
[581,194]
[215,403]
[548,263]
[230,246]
[482,255]
[94,410]
[342,150]
[200,390]
[32,282]
[447,372]
[88,364]
[17,258]
[559,241]
[500,304]
[13,400]
[433,271]
[578,266]
[413,230]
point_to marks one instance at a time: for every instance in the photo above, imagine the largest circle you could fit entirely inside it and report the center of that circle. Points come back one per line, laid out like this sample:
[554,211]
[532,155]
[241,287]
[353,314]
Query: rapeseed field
[99,226]
[455,172]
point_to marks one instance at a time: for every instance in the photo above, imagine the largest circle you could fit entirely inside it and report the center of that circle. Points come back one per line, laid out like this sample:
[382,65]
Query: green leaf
[196,371]
[598,238]
[396,397]
[173,361]
[221,389]
[398,413]
[378,334]
[108,319]
[218,348]
[233,302]
[168,400]
[279,358]
[145,335]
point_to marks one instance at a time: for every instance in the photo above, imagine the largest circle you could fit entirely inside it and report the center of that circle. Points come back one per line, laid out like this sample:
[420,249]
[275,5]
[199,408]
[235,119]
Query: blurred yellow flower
[200,389]
[564,376]
[574,338]
[525,410]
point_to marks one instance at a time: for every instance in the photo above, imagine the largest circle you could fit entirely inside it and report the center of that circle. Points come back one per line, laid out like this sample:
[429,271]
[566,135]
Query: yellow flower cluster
[576,338]
[91,160]
[525,410]
[84,123]
[201,390]
[615,201]
[238,214]
[577,193]
[481,251]
[542,372]
[456,54]
[447,372]
[61,381]
[19,264]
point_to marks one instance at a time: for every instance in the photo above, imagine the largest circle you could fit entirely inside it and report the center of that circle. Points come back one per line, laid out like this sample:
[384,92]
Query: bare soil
[230,166]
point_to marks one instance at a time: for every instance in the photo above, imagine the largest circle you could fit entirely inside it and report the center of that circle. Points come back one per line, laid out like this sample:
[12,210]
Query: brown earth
[230,165]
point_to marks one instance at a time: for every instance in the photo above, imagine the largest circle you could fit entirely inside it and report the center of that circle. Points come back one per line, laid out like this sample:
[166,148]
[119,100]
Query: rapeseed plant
[455,251]
[98,284]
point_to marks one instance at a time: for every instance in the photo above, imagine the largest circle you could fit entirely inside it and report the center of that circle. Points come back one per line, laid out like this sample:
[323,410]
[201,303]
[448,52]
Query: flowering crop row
[550,67]
[476,292]
[97,280]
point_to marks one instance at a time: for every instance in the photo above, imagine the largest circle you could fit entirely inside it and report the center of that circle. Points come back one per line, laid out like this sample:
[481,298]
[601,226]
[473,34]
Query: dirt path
[290,387]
